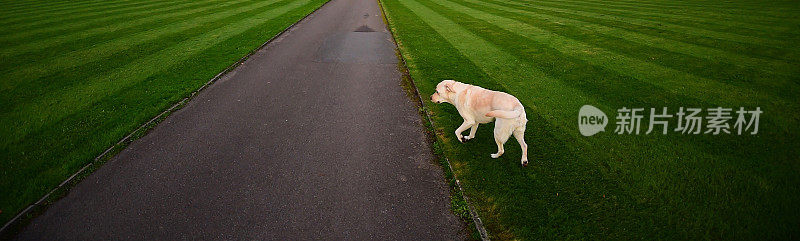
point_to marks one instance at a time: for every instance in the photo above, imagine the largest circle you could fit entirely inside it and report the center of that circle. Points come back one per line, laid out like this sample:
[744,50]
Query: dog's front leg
[472,132]
[462,128]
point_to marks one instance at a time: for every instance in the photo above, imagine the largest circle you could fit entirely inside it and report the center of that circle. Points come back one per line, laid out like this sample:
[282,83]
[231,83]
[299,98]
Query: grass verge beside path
[556,56]
[89,97]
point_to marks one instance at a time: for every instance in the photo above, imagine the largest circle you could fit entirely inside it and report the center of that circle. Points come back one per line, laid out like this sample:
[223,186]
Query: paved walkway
[312,138]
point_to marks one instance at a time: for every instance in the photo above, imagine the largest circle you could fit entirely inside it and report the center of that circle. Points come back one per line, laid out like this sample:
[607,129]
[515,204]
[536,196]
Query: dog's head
[444,92]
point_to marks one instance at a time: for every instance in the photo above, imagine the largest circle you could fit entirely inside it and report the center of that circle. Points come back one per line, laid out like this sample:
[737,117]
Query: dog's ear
[449,87]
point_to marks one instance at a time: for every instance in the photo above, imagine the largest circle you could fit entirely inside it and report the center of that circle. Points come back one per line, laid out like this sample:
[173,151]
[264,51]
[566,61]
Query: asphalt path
[311,138]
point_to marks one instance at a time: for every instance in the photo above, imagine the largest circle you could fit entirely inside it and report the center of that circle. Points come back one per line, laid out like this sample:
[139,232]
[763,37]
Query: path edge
[11,228]
[473,213]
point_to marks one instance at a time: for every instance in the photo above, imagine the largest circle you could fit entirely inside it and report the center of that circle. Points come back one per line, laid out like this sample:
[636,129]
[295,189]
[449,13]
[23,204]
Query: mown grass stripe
[23,29]
[17,5]
[73,7]
[741,28]
[41,6]
[765,8]
[69,7]
[106,49]
[45,32]
[67,39]
[730,46]
[669,80]
[38,20]
[739,59]
[24,42]
[723,6]
[679,72]
[63,102]
[713,14]
[666,26]
[65,78]
[23,6]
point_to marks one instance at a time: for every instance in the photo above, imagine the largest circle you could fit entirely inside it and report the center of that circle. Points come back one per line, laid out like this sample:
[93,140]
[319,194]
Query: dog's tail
[505,114]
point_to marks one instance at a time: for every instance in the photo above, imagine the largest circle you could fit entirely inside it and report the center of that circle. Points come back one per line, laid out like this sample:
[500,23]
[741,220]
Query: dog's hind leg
[472,132]
[519,134]
[501,135]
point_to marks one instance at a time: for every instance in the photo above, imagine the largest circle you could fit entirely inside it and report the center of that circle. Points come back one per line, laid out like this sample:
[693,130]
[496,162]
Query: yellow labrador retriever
[479,106]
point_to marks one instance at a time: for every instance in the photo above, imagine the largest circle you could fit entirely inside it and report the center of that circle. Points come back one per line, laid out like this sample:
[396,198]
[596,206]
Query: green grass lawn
[77,76]
[558,55]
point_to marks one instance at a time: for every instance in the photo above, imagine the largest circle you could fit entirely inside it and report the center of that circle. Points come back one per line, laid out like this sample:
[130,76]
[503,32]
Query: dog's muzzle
[435,101]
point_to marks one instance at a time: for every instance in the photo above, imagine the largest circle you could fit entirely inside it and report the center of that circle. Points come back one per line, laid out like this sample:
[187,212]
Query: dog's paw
[467,138]
[495,156]
[461,139]
[524,163]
